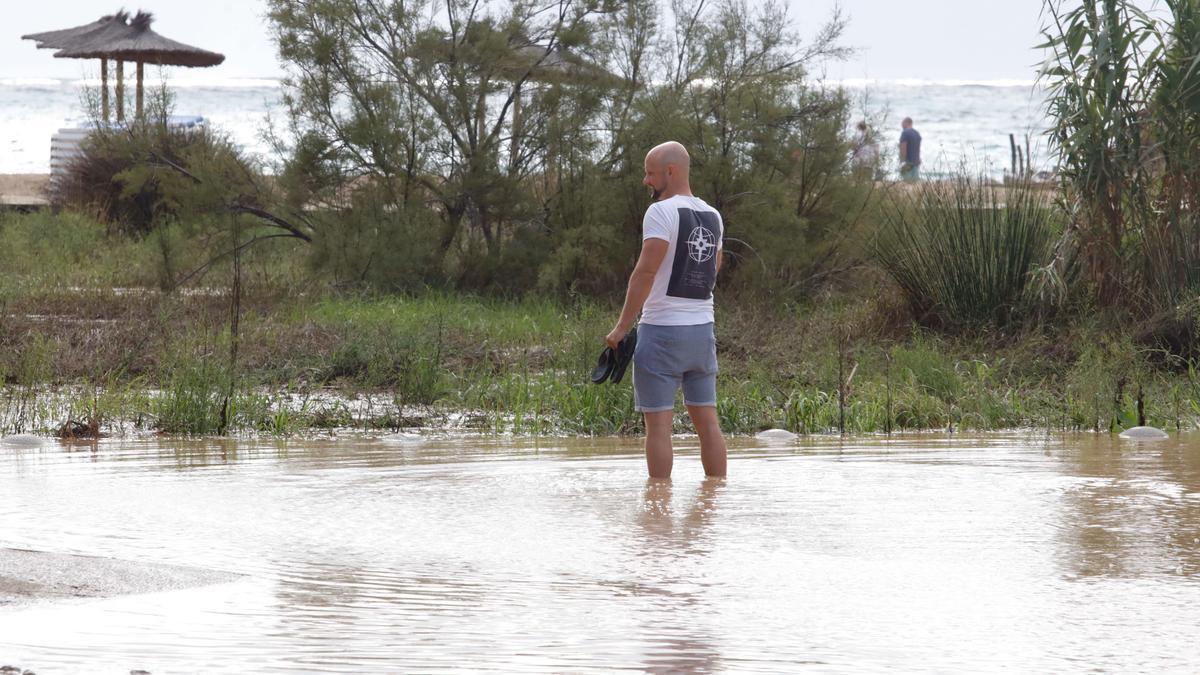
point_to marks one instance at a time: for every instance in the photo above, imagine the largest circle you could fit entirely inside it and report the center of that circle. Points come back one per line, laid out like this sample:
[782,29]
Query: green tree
[455,103]
[516,130]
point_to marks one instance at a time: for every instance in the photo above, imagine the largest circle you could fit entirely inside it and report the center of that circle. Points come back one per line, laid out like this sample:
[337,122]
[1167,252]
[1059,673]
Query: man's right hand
[614,338]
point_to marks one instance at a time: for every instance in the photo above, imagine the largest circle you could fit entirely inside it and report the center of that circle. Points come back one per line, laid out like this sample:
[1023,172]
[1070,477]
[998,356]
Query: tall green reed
[1123,97]
[1170,262]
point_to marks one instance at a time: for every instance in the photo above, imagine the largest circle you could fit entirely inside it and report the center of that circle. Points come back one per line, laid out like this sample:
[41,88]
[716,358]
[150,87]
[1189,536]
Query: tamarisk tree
[444,104]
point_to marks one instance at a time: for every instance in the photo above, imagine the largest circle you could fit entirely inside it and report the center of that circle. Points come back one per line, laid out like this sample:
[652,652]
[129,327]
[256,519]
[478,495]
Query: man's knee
[705,419]
[659,422]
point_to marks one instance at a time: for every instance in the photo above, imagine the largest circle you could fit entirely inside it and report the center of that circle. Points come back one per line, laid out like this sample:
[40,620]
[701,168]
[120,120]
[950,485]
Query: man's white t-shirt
[682,290]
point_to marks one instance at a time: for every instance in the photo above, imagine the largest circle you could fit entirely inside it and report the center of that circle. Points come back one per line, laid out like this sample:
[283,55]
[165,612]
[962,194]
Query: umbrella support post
[139,90]
[120,90]
[104,90]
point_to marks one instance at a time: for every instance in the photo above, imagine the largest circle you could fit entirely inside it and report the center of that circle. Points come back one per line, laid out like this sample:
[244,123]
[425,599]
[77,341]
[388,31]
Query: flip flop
[604,366]
[624,355]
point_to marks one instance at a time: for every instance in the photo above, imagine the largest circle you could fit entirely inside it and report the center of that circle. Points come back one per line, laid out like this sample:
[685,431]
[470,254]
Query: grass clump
[962,252]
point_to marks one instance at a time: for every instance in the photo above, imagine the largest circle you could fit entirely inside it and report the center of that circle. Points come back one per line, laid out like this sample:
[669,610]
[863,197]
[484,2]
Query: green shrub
[124,175]
[962,253]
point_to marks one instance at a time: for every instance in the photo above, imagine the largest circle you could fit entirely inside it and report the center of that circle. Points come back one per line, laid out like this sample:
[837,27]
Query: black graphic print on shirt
[694,269]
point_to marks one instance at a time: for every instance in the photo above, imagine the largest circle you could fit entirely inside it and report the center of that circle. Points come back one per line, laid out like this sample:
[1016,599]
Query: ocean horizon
[965,124]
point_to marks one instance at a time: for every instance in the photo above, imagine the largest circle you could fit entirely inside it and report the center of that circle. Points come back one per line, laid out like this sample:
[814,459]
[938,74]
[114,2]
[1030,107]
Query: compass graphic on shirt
[701,245]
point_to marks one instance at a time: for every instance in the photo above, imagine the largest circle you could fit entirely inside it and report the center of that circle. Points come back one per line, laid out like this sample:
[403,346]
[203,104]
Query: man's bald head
[667,168]
[670,153]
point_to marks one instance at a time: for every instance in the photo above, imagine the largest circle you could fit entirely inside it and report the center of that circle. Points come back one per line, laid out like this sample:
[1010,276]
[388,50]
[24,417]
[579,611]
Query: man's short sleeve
[657,223]
[721,236]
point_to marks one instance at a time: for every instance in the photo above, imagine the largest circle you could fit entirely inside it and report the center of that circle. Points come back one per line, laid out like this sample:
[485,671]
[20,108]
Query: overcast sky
[932,39]
[922,39]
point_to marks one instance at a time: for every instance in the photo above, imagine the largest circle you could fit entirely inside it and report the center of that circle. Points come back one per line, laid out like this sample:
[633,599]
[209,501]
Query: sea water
[33,109]
[963,124]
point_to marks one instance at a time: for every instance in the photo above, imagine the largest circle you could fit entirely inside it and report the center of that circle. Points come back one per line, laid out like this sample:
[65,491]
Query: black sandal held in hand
[604,366]
[612,363]
[624,355]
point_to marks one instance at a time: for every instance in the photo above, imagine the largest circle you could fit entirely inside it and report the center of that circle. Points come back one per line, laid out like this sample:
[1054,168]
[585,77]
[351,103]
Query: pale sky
[932,39]
[898,39]
[235,28]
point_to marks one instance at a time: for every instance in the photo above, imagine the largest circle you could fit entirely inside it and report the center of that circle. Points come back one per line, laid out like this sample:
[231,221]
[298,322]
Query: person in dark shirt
[910,151]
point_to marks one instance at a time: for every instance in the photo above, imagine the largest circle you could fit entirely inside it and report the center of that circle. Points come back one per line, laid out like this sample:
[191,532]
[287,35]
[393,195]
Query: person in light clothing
[672,285]
[864,152]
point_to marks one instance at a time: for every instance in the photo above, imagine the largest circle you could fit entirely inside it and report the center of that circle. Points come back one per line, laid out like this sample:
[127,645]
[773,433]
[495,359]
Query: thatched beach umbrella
[137,42]
[59,39]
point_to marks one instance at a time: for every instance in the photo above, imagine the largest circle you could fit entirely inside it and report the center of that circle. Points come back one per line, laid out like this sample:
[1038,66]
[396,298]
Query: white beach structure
[66,143]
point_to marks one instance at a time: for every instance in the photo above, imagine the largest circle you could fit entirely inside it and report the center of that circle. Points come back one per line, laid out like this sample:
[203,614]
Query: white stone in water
[775,435]
[22,441]
[1144,434]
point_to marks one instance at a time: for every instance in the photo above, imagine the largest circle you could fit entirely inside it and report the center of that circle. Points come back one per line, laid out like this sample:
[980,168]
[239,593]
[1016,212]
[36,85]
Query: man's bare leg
[658,443]
[712,443]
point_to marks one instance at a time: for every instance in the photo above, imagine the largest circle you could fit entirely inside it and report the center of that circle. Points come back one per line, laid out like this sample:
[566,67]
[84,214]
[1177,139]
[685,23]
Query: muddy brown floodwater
[927,553]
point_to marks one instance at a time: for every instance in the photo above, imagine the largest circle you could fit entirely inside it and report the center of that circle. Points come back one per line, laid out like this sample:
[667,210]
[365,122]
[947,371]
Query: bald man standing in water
[672,284]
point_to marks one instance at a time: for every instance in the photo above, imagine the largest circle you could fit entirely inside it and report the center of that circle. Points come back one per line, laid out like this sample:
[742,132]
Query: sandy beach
[28,576]
[23,188]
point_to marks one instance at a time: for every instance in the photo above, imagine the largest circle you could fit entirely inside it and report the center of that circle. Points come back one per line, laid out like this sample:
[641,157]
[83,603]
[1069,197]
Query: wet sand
[23,188]
[28,576]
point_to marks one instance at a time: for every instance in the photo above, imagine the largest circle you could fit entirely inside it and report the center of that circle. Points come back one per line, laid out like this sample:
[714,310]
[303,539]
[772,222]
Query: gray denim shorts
[669,356]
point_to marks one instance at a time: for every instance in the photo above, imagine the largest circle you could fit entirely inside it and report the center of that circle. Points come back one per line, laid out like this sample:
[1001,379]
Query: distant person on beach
[864,152]
[910,151]
[671,285]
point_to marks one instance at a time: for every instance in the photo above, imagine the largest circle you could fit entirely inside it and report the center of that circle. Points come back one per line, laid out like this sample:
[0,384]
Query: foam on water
[866,82]
[30,82]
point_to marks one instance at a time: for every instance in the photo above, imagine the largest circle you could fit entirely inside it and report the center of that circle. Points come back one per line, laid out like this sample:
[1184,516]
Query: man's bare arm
[640,282]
